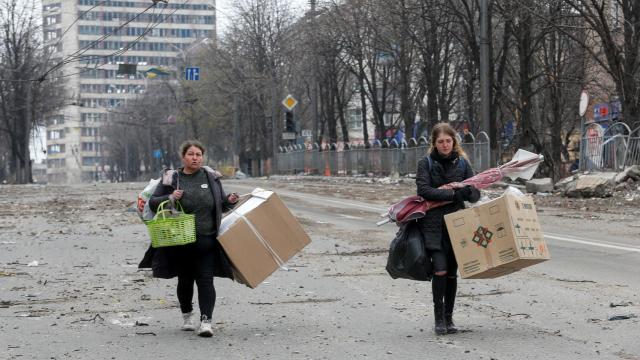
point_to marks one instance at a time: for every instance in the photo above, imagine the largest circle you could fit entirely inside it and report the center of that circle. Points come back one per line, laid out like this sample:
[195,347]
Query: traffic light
[289,125]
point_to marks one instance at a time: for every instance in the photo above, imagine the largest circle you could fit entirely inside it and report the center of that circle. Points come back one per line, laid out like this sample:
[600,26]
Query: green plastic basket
[169,229]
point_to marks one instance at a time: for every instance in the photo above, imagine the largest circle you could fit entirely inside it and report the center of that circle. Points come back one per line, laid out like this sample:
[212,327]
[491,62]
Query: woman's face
[192,159]
[444,144]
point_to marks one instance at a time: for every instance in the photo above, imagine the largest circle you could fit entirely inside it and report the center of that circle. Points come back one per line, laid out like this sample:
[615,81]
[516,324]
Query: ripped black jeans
[444,287]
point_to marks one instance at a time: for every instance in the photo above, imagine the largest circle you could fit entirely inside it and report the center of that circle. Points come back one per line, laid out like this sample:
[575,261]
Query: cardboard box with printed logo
[497,238]
[259,236]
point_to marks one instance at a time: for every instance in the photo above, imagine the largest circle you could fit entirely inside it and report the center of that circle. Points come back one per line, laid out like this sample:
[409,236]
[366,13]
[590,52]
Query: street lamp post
[485,85]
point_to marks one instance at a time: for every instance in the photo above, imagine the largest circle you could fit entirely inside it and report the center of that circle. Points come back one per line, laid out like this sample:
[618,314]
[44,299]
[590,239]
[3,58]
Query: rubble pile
[607,192]
[624,184]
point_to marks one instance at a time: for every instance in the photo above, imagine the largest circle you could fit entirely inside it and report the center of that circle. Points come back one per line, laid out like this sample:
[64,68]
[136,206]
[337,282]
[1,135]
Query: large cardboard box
[497,238]
[259,236]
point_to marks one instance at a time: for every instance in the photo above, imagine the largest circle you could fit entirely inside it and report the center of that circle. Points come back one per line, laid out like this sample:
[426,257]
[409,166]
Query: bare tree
[398,40]
[367,57]
[442,61]
[466,15]
[465,32]
[614,44]
[563,64]
[236,106]
[260,32]
[145,132]
[334,79]
[23,98]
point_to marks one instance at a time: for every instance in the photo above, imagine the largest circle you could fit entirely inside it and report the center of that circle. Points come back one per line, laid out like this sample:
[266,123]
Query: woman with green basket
[197,191]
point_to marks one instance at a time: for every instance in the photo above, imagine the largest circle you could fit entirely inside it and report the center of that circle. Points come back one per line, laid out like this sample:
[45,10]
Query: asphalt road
[86,299]
[570,296]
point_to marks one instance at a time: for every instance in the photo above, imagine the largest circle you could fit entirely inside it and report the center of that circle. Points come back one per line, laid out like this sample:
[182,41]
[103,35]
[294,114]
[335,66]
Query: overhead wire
[121,51]
[77,54]
[124,49]
[73,23]
[74,55]
[150,27]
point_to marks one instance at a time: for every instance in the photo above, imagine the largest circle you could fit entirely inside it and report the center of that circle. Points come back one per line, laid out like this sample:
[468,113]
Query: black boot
[449,301]
[440,328]
[438,286]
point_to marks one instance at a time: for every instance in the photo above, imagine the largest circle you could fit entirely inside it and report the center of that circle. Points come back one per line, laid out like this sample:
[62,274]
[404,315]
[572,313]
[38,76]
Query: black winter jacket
[160,259]
[428,178]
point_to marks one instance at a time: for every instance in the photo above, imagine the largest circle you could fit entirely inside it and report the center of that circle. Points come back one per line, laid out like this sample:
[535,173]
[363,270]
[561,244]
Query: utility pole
[314,79]
[236,133]
[24,176]
[274,129]
[485,72]
[274,145]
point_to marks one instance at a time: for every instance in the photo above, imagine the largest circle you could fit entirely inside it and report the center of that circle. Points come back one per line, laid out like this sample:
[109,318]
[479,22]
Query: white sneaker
[205,329]
[189,323]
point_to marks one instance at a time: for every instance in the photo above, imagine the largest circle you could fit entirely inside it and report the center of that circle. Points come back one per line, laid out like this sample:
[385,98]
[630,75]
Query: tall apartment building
[75,149]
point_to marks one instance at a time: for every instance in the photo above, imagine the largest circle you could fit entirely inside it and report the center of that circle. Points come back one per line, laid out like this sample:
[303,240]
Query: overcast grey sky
[225,10]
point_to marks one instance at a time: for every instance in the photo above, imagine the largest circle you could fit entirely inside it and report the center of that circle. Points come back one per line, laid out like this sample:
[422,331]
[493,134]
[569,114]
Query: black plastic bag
[408,257]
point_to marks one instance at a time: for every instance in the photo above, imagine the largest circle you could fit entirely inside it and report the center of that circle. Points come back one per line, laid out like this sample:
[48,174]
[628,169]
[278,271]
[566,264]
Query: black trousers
[196,266]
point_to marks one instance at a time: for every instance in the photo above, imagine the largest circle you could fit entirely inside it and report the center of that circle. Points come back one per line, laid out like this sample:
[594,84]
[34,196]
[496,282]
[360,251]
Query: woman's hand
[233,198]
[463,194]
[176,194]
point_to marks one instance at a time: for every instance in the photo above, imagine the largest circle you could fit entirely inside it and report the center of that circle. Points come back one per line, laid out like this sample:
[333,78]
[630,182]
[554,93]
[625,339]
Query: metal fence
[632,155]
[613,150]
[378,159]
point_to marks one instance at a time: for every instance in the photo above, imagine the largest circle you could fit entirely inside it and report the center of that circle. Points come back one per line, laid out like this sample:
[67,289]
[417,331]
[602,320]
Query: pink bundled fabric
[415,207]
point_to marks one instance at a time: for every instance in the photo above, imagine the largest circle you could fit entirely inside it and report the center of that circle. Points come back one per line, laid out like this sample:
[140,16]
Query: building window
[140,46]
[132,4]
[55,134]
[93,117]
[55,120]
[354,119]
[89,131]
[90,160]
[388,119]
[56,149]
[52,19]
[52,34]
[145,18]
[91,146]
[54,48]
[51,7]
[114,103]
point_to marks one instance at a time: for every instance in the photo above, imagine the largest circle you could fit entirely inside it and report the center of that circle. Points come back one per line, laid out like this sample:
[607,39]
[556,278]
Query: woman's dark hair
[189,143]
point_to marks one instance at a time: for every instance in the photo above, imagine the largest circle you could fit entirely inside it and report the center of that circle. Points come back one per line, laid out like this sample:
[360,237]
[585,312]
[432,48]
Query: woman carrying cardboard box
[200,193]
[445,162]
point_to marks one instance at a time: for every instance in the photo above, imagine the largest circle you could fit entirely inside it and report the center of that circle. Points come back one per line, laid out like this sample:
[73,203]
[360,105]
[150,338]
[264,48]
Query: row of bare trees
[410,64]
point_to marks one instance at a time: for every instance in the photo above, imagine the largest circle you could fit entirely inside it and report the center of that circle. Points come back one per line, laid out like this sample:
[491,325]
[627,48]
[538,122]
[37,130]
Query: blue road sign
[192,73]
